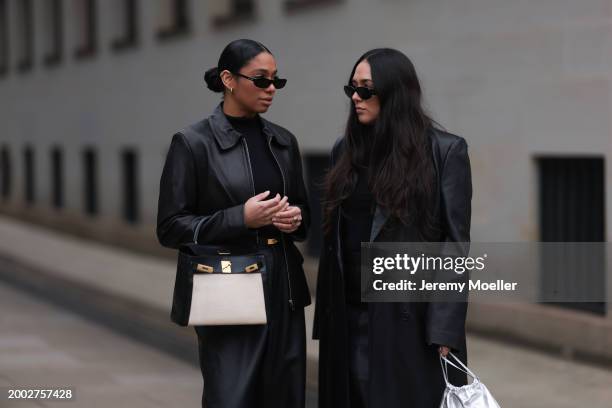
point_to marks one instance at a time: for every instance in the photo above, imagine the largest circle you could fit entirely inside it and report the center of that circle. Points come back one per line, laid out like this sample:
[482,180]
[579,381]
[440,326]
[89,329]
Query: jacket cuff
[299,234]
[235,219]
[230,225]
[444,338]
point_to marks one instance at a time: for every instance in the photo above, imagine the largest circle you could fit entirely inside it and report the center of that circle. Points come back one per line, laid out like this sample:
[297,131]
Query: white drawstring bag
[474,395]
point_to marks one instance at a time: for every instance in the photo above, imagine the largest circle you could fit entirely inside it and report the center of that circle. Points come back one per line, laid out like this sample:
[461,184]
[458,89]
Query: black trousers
[253,366]
[358,353]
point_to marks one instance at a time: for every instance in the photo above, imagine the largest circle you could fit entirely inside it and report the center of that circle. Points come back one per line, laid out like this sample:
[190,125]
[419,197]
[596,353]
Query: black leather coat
[403,337]
[206,180]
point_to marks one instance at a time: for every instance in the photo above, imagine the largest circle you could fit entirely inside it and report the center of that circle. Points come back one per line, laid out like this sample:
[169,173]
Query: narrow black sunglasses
[263,83]
[363,92]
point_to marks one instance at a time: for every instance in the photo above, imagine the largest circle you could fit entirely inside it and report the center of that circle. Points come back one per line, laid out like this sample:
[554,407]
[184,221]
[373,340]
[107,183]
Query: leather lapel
[380,218]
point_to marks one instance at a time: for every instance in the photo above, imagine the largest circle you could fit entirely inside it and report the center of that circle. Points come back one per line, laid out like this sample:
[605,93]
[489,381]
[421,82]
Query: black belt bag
[218,285]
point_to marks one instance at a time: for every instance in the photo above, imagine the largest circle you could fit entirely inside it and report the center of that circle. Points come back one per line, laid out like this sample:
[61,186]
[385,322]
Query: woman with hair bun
[235,178]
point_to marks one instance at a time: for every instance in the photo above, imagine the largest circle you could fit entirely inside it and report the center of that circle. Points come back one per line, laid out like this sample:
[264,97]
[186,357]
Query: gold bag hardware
[251,268]
[226,266]
[204,268]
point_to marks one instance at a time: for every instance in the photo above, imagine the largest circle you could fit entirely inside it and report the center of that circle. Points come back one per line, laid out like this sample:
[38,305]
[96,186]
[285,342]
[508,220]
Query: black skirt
[252,366]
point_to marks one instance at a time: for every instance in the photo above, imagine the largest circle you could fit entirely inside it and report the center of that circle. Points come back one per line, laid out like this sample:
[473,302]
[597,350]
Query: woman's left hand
[443,350]
[288,220]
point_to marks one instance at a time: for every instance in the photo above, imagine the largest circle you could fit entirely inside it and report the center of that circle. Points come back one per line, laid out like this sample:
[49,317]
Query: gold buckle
[226,266]
[204,268]
[251,268]
[272,241]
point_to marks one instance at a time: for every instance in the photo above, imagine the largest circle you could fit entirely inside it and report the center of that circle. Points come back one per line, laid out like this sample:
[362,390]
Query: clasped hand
[259,211]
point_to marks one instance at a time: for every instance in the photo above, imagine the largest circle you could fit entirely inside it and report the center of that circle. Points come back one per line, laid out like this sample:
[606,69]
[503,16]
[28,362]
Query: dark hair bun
[213,80]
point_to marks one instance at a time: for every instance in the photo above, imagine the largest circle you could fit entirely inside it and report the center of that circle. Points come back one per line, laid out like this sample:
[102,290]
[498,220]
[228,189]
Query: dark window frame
[5,173]
[89,48]
[240,13]
[130,183]
[57,177]
[130,37]
[55,55]
[181,24]
[26,60]
[572,203]
[293,6]
[90,181]
[4,38]
[29,174]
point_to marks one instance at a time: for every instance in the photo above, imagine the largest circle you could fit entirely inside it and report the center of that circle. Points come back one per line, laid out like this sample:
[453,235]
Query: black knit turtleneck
[266,174]
[356,220]
[357,213]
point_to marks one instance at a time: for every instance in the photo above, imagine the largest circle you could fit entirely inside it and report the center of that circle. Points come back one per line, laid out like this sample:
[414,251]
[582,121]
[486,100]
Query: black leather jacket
[451,207]
[402,335]
[206,180]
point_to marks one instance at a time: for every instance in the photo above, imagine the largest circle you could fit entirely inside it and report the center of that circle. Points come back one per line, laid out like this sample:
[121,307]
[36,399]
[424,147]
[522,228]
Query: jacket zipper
[248,157]
[339,244]
[291,304]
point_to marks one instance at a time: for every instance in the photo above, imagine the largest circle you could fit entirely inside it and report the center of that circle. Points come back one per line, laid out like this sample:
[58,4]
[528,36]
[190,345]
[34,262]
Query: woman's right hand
[259,212]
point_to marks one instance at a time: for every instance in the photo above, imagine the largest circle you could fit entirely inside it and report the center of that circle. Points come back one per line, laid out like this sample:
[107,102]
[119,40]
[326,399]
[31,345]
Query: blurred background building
[92,91]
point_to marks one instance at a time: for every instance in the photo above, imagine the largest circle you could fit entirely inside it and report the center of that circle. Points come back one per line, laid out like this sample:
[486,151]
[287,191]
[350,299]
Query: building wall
[517,79]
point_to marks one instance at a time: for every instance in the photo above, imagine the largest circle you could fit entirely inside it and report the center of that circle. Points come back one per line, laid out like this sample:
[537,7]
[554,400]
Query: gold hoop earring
[231,90]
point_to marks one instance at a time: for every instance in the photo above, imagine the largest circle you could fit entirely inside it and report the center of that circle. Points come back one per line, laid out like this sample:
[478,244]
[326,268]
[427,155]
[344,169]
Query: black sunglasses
[263,83]
[363,92]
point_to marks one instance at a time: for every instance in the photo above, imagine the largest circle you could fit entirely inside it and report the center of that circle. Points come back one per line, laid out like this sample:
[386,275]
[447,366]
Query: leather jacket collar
[227,137]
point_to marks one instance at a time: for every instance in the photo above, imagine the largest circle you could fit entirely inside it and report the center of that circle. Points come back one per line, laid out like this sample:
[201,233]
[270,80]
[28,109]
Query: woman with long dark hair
[395,177]
[235,179]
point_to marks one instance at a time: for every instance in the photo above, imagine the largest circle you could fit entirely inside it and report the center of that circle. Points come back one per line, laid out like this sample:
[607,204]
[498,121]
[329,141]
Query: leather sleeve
[177,220]
[446,320]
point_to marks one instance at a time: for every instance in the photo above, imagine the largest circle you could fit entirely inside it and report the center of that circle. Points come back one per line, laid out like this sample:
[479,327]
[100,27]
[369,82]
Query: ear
[228,79]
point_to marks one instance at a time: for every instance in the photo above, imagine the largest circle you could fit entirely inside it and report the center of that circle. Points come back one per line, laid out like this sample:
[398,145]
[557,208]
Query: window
[128,21]
[85,11]
[232,11]
[173,19]
[5,173]
[4,38]
[572,208]
[90,186]
[25,36]
[57,177]
[130,185]
[53,24]
[293,5]
[28,171]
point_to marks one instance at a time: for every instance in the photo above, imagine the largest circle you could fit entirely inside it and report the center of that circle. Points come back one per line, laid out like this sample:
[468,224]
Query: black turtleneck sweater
[356,221]
[266,174]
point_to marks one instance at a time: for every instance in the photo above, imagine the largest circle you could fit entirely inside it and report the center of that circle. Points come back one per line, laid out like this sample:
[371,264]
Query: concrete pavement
[42,344]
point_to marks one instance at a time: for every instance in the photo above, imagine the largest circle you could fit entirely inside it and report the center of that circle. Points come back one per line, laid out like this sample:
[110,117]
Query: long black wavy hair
[402,174]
